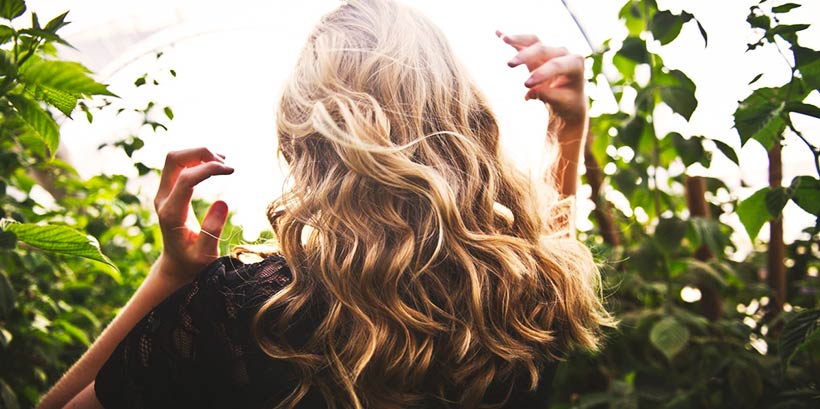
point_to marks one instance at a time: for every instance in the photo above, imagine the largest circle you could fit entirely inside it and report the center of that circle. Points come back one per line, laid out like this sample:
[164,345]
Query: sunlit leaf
[62,240]
[65,76]
[38,121]
[753,213]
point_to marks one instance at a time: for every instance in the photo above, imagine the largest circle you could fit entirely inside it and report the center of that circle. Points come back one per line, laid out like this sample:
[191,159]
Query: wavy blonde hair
[416,247]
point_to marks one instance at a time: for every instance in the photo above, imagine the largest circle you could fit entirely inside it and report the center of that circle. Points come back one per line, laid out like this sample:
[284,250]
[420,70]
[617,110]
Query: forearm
[570,141]
[152,291]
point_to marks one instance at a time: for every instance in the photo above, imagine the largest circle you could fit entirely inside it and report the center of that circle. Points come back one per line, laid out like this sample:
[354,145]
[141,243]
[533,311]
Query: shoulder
[248,284]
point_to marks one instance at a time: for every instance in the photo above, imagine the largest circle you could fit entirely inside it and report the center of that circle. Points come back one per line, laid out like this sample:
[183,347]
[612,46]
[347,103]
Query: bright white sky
[232,62]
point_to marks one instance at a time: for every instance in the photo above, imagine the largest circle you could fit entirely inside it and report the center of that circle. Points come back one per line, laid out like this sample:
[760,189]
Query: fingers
[212,225]
[177,161]
[536,54]
[566,68]
[174,208]
[518,41]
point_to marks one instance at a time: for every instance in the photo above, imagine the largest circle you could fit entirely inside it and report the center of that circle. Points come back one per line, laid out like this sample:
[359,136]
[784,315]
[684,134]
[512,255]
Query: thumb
[212,225]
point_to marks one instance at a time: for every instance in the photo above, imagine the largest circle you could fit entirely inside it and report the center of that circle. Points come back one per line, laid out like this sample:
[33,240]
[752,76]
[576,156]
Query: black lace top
[195,349]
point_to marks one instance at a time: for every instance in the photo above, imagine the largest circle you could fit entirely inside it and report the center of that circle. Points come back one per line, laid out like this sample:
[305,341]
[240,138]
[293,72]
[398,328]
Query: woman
[416,266]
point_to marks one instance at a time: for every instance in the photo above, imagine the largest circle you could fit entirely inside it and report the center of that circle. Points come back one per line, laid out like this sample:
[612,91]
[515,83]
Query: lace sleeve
[195,349]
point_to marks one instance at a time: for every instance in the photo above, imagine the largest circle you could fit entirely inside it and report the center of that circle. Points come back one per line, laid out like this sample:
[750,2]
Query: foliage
[73,250]
[731,348]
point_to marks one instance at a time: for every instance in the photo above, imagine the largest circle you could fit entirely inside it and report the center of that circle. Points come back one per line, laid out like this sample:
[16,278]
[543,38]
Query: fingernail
[515,61]
[530,82]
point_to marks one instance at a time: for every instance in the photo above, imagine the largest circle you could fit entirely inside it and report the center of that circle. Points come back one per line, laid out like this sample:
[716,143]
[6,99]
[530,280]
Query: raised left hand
[188,247]
[556,77]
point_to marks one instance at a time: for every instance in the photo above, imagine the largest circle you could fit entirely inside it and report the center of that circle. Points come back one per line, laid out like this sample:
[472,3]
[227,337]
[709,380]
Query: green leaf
[806,193]
[745,383]
[65,76]
[56,23]
[757,77]
[669,232]
[669,337]
[8,240]
[759,21]
[11,9]
[785,8]
[678,92]
[727,150]
[707,232]
[38,121]
[62,240]
[63,101]
[803,108]
[807,61]
[753,213]
[634,49]
[6,34]
[786,29]
[796,332]
[169,113]
[632,132]
[776,199]
[703,33]
[6,296]
[758,117]
[666,26]
[690,150]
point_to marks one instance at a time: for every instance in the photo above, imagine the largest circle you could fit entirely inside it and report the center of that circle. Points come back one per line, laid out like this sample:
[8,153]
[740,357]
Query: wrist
[170,271]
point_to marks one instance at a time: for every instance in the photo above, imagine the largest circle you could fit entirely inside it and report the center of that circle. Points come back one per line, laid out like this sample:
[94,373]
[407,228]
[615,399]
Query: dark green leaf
[758,117]
[140,81]
[7,397]
[702,33]
[632,132]
[63,240]
[690,150]
[6,296]
[808,62]
[6,34]
[745,383]
[753,213]
[634,49]
[806,193]
[11,9]
[785,8]
[759,21]
[776,199]
[678,92]
[666,26]
[173,73]
[757,77]
[169,113]
[707,233]
[8,240]
[56,23]
[803,108]
[669,336]
[727,150]
[669,233]
[38,121]
[786,29]
[796,332]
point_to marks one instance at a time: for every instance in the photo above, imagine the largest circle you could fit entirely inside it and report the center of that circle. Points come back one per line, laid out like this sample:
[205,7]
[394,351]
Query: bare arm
[557,79]
[188,248]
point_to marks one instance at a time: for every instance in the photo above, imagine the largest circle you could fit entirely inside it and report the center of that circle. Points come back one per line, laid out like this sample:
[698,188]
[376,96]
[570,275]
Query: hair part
[417,247]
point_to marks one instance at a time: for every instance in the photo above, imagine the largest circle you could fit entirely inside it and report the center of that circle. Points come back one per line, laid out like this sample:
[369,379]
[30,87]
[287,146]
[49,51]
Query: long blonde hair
[423,256]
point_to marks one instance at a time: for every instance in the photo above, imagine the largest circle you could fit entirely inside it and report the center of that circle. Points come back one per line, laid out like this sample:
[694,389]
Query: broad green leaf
[63,101]
[758,117]
[753,213]
[62,240]
[669,336]
[785,8]
[776,199]
[806,193]
[802,108]
[11,9]
[6,34]
[727,150]
[677,91]
[669,232]
[634,49]
[38,121]
[666,26]
[690,150]
[707,232]
[65,76]
[796,332]
[759,21]
[6,296]
[807,61]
